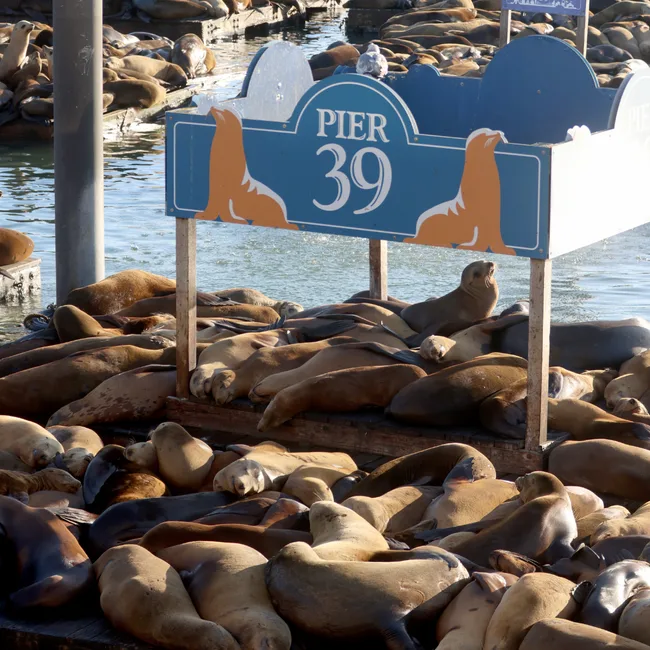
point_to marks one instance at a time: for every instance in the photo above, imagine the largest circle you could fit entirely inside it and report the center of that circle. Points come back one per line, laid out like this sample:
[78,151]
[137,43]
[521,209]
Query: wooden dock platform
[26,280]
[367,432]
[368,21]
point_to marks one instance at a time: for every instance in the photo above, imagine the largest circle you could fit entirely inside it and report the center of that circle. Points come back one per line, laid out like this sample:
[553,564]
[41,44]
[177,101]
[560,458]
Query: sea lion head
[58,480]
[142,454]
[538,484]
[24,26]
[434,348]
[222,386]
[288,309]
[629,406]
[242,477]
[478,276]
[628,385]
[44,452]
[76,461]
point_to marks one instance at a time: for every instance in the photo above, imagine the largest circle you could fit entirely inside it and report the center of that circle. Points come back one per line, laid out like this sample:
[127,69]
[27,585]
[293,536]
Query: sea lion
[588,524]
[610,592]
[541,529]
[464,621]
[636,524]
[340,357]
[226,584]
[633,623]
[396,510]
[472,300]
[617,549]
[14,245]
[12,463]
[131,520]
[26,392]
[268,541]
[559,633]
[268,466]
[183,461]
[286,514]
[43,355]
[162,70]
[138,394]
[429,466]
[14,55]
[534,597]
[341,390]
[505,412]
[253,297]
[464,500]
[630,408]
[52,568]
[604,466]
[583,501]
[633,384]
[142,595]
[249,511]
[374,600]
[19,483]
[30,442]
[230,384]
[58,499]
[80,445]
[192,56]
[453,395]
[230,354]
[118,291]
[310,483]
[341,534]
[143,454]
[173,10]
[72,323]
[134,93]
[586,421]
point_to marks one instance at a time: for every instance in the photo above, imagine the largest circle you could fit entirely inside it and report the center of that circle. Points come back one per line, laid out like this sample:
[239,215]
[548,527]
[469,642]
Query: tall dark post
[78,144]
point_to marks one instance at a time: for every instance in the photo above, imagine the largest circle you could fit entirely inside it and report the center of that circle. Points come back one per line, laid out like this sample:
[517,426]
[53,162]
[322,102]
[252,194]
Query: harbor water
[609,280]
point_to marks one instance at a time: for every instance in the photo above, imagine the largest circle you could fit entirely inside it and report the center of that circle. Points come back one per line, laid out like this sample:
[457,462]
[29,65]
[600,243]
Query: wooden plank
[539,332]
[369,20]
[185,304]
[371,435]
[504,27]
[378,258]
[582,31]
[26,280]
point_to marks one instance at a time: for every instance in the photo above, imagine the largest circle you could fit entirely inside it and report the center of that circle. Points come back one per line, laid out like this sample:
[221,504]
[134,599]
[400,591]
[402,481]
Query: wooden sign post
[579,8]
[351,159]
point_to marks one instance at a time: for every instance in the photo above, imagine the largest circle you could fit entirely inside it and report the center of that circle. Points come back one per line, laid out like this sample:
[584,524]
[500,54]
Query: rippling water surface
[607,280]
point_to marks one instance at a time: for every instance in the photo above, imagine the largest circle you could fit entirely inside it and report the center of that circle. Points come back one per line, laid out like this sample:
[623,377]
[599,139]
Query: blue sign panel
[351,161]
[565,7]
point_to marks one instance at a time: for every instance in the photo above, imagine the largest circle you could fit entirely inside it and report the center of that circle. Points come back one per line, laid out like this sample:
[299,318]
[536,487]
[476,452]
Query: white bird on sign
[372,62]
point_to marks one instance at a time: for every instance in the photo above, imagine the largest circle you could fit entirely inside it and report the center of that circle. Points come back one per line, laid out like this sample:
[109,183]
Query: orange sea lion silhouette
[473,219]
[234,196]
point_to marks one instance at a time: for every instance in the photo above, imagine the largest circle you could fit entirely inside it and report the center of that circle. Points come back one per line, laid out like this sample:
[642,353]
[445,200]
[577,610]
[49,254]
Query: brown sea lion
[30,442]
[162,70]
[134,93]
[52,568]
[72,323]
[541,529]
[138,394]
[142,595]
[12,463]
[230,384]
[118,291]
[26,392]
[254,297]
[429,466]
[586,421]
[268,541]
[49,353]
[80,445]
[633,623]
[558,633]
[638,523]
[473,300]
[463,623]
[268,465]
[588,524]
[630,408]
[15,53]
[453,395]
[250,511]
[396,510]
[18,483]
[226,584]
[14,246]
[604,466]
[311,482]
[374,600]
[534,597]
[342,390]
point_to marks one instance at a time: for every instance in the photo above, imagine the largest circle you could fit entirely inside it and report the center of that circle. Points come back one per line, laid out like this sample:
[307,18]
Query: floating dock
[26,280]
[368,21]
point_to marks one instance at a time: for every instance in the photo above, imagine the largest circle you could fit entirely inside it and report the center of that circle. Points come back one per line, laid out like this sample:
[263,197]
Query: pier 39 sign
[350,161]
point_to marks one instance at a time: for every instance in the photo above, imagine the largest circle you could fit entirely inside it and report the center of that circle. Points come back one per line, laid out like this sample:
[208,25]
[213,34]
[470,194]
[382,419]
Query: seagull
[372,62]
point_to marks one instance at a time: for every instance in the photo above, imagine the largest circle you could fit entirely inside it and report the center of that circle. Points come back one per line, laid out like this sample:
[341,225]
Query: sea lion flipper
[581,591]
[240,449]
[397,638]
[463,472]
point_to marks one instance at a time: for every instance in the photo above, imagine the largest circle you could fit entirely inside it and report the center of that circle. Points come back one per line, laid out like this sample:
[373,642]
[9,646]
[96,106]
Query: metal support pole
[78,144]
